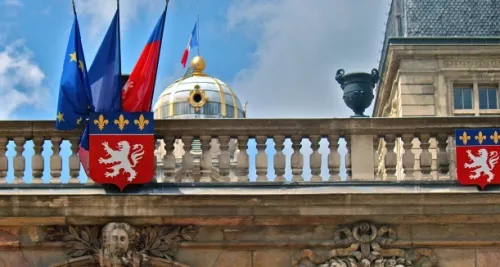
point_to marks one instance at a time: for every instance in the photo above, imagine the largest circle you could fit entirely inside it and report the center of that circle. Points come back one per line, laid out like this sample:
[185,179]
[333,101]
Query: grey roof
[440,18]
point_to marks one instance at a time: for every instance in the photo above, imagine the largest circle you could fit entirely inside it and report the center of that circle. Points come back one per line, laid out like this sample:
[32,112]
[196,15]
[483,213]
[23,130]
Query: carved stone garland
[362,247]
[120,244]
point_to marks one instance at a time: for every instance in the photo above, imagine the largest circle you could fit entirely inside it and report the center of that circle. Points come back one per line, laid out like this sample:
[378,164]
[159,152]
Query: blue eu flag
[75,99]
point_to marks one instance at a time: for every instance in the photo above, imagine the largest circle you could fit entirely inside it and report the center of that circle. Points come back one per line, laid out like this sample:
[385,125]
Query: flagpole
[198,30]
[74,8]
[119,46]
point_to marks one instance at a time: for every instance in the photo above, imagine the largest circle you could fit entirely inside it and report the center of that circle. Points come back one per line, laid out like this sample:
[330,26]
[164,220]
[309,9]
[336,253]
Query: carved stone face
[118,241]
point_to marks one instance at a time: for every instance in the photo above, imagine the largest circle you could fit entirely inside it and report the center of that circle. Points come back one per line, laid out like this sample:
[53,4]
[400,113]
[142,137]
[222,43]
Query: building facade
[400,205]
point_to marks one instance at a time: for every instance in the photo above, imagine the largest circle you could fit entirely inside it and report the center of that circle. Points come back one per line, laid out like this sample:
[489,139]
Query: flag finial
[74,8]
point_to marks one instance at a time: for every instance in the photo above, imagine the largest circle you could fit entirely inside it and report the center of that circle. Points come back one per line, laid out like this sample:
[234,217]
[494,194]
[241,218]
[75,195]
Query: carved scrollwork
[120,244]
[471,62]
[362,245]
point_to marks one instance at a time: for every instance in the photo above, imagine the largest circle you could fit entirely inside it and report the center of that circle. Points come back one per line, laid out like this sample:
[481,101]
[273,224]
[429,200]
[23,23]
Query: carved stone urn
[358,89]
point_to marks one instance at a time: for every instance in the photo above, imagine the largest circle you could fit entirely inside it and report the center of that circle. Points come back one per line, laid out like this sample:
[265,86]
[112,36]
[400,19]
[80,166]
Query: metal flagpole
[198,30]
[74,8]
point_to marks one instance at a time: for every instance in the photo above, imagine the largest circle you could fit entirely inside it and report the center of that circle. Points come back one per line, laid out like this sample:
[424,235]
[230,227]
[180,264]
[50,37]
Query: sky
[279,55]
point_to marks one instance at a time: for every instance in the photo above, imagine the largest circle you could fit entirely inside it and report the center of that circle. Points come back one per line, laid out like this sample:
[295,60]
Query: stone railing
[262,150]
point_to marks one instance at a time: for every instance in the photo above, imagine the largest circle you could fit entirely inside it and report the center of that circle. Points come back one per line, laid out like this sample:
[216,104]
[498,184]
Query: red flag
[137,94]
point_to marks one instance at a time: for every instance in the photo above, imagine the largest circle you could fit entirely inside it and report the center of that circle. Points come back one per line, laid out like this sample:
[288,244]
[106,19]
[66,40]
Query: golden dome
[198,96]
[198,65]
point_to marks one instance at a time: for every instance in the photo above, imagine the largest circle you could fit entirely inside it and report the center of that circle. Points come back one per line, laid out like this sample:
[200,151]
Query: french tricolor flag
[193,41]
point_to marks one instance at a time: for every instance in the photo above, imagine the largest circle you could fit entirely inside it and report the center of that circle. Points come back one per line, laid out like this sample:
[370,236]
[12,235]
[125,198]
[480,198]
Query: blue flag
[75,99]
[105,81]
[105,71]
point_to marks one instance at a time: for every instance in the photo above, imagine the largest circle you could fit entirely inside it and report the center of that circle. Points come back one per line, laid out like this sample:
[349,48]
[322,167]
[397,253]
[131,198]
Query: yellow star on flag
[80,64]
[72,57]
[60,116]
[79,120]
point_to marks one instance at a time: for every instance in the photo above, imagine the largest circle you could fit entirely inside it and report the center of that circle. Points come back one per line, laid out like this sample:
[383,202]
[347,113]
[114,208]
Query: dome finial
[198,65]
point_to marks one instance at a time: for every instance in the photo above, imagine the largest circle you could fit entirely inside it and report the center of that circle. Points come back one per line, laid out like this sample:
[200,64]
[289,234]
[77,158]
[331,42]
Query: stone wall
[453,245]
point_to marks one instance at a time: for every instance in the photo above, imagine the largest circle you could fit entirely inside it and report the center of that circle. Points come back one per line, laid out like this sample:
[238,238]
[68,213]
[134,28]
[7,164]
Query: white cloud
[299,47]
[14,3]
[100,12]
[21,79]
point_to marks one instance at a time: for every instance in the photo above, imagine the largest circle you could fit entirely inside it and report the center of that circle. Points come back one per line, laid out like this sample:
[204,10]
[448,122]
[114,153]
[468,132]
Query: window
[488,98]
[477,98]
[462,97]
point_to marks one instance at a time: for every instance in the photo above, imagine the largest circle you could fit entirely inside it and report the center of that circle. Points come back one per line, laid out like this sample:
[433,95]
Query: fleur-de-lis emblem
[141,122]
[464,138]
[495,137]
[101,122]
[121,122]
[480,137]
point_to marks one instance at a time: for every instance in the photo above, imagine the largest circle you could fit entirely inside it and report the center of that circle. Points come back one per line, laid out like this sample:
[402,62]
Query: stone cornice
[271,127]
[314,205]
[399,48]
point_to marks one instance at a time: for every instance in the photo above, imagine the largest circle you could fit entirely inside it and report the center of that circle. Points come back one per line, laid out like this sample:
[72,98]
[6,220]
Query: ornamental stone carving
[471,62]
[362,245]
[121,245]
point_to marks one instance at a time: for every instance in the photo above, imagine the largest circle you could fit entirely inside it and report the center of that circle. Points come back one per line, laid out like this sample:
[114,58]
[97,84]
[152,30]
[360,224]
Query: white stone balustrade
[267,150]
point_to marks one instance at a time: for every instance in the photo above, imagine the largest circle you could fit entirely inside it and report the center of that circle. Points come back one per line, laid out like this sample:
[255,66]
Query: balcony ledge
[249,188]
[251,204]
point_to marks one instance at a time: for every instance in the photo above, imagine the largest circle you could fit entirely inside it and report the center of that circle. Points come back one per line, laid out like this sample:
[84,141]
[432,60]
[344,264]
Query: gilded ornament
[464,138]
[480,137]
[121,122]
[495,137]
[101,122]
[197,98]
[141,122]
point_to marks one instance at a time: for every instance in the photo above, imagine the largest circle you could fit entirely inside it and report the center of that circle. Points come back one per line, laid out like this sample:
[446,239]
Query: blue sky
[279,55]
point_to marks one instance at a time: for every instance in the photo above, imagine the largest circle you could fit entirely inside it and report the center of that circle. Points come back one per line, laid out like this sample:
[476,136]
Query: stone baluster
[390,158]
[169,159]
[206,159]
[261,158]
[425,156]
[157,177]
[19,160]
[243,159]
[315,158]
[376,143]
[334,158]
[408,156]
[4,161]
[224,158]
[279,158]
[348,157]
[187,159]
[56,160]
[37,160]
[443,157]
[297,159]
[74,160]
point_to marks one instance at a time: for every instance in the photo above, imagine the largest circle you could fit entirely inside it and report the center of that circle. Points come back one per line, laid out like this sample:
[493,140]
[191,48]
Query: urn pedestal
[358,89]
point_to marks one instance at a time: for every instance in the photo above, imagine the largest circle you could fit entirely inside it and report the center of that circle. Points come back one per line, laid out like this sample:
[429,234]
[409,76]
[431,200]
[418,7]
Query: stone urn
[358,89]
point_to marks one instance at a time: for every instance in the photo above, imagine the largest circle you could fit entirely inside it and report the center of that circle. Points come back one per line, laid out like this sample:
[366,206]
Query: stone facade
[418,81]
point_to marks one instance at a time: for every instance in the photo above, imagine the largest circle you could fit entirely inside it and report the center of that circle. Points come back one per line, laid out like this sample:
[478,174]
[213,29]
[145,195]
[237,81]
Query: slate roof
[442,18]
[439,18]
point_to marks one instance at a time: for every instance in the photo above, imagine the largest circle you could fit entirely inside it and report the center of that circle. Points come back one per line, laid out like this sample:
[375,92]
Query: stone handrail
[427,153]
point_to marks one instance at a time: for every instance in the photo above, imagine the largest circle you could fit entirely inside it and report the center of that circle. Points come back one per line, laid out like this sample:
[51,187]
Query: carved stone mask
[119,241]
